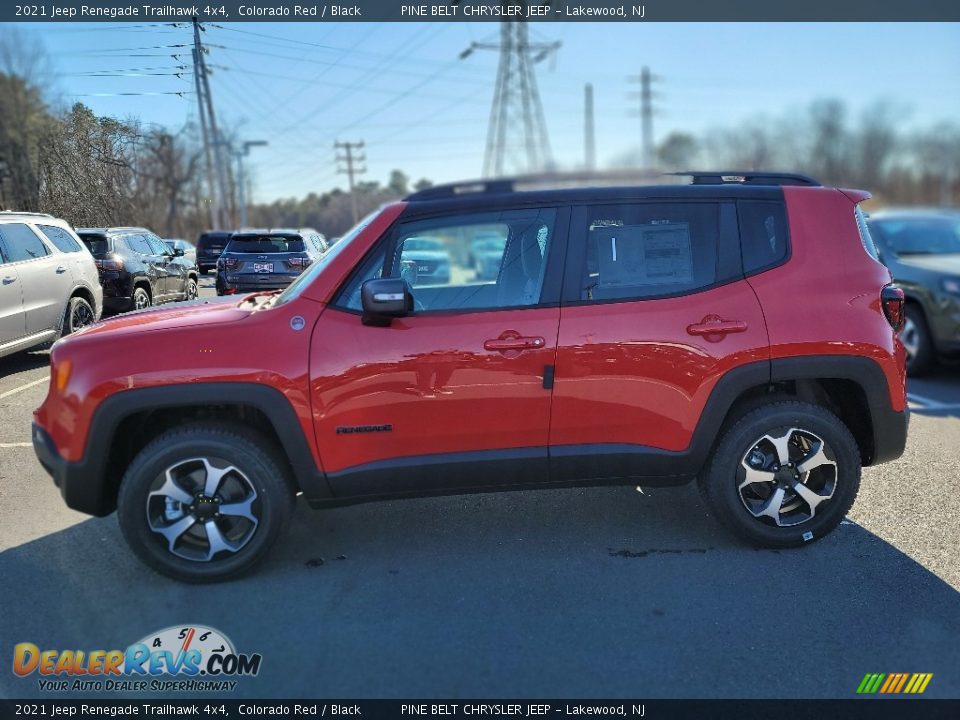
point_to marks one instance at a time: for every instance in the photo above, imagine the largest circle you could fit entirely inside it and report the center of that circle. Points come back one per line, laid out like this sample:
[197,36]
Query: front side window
[647,250]
[61,239]
[22,243]
[467,262]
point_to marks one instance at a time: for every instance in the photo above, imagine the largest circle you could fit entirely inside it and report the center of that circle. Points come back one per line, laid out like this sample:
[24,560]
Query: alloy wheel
[910,337]
[141,300]
[80,316]
[202,508]
[784,479]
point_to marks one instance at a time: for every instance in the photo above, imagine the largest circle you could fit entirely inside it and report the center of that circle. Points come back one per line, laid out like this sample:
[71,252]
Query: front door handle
[61,270]
[7,280]
[512,340]
[715,325]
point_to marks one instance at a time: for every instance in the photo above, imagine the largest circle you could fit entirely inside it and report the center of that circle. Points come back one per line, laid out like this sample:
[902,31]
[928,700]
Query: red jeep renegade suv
[738,330]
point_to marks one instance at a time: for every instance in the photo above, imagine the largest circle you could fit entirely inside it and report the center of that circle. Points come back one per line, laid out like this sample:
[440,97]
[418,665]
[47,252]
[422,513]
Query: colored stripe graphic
[894,683]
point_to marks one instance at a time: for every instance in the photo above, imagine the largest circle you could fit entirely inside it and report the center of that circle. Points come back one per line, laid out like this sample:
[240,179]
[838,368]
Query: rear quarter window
[764,234]
[61,239]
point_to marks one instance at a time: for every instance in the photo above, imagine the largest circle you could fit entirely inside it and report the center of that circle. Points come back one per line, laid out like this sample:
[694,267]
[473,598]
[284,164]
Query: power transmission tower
[349,158]
[211,135]
[517,129]
[646,80]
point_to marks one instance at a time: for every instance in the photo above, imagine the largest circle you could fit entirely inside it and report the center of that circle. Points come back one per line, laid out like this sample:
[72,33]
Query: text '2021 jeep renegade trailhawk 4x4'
[738,332]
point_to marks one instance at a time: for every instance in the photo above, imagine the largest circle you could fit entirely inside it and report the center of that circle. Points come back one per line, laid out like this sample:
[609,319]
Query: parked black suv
[210,245]
[922,250]
[266,259]
[137,269]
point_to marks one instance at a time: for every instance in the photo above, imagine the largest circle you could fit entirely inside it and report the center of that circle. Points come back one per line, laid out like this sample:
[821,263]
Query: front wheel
[204,502]
[783,475]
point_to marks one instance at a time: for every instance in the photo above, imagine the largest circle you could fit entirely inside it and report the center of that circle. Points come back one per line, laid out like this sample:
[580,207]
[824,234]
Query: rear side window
[62,240]
[139,244]
[21,243]
[648,250]
[764,238]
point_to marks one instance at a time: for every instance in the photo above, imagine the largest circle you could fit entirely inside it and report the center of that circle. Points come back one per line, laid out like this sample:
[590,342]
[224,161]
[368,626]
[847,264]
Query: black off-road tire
[224,443]
[720,480]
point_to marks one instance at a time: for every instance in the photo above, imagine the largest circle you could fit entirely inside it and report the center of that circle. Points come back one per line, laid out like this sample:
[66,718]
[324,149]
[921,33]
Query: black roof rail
[747,177]
[510,184]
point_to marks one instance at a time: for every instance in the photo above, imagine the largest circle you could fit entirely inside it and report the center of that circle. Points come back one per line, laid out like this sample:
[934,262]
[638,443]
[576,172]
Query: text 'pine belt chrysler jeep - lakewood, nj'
[738,330]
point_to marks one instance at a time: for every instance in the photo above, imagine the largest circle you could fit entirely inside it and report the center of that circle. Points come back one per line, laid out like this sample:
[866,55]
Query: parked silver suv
[48,281]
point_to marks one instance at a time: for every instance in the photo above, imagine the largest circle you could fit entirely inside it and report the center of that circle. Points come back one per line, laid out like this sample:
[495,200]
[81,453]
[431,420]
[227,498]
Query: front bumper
[81,489]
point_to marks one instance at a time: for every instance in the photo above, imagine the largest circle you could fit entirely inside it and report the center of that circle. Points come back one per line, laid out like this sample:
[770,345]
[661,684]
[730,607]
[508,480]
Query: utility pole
[211,136]
[241,180]
[349,158]
[589,141]
[646,80]
[517,129]
[211,188]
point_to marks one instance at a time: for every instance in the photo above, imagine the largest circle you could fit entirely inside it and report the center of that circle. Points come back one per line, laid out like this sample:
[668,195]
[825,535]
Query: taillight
[301,262]
[892,300]
[111,264]
[231,262]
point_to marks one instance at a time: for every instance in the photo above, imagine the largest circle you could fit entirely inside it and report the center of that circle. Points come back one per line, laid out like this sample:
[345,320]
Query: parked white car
[49,284]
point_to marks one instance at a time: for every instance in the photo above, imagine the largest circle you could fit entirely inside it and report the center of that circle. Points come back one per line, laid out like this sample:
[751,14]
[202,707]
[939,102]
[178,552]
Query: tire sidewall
[244,453]
[139,289]
[722,482]
[68,328]
[923,359]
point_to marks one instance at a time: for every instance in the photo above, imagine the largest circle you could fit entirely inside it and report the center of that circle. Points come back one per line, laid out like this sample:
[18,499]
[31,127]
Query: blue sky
[402,89]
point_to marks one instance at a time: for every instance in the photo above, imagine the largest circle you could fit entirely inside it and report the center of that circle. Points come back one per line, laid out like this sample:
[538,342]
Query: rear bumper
[81,489]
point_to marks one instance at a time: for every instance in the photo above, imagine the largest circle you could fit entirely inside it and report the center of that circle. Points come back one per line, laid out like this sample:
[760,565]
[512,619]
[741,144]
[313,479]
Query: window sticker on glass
[645,254]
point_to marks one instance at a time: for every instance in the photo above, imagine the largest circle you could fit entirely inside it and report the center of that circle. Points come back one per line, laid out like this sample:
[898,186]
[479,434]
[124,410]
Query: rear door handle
[61,270]
[7,280]
[714,325]
[511,340]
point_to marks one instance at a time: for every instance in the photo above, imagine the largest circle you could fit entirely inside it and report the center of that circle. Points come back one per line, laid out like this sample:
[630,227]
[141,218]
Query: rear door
[74,254]
[44,277]
[457,394]
[174,273]
[12,323]
[656,310]
[152,261]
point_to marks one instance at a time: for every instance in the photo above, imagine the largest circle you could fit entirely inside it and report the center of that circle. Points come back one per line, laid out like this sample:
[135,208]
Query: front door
[12,324]
[457,394]
[658,311]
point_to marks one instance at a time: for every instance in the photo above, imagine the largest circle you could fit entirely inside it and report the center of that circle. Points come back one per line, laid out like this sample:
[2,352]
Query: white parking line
[8,393]
[15,445]
[924,403]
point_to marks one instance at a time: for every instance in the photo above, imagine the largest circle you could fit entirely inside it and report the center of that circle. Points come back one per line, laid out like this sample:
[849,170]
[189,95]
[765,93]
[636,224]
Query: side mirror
[177,252]
[384,299]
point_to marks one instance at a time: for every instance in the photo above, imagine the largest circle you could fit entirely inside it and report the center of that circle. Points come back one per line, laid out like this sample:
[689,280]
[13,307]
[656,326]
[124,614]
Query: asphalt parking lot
[570,593]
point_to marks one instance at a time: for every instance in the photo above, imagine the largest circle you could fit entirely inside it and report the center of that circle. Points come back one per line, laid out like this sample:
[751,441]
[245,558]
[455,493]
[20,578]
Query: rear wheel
[916,340]
[190,291]
[204,502]
[784,475]
[79,314]
[141,298]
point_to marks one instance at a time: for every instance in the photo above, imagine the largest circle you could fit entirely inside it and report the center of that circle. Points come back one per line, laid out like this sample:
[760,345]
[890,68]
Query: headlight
[951,285]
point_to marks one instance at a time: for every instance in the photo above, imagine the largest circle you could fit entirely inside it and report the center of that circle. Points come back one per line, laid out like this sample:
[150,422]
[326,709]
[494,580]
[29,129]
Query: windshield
[296,287]
[265,244]
[922,236]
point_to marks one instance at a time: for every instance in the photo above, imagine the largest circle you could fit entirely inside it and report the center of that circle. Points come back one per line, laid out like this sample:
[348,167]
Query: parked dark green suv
[922,249]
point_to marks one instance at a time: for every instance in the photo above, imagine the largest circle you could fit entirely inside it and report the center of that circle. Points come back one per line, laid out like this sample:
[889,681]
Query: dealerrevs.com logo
[186,658]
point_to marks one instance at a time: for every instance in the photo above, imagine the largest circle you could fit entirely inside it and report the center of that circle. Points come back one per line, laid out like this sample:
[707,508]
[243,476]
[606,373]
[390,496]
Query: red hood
[198,312]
